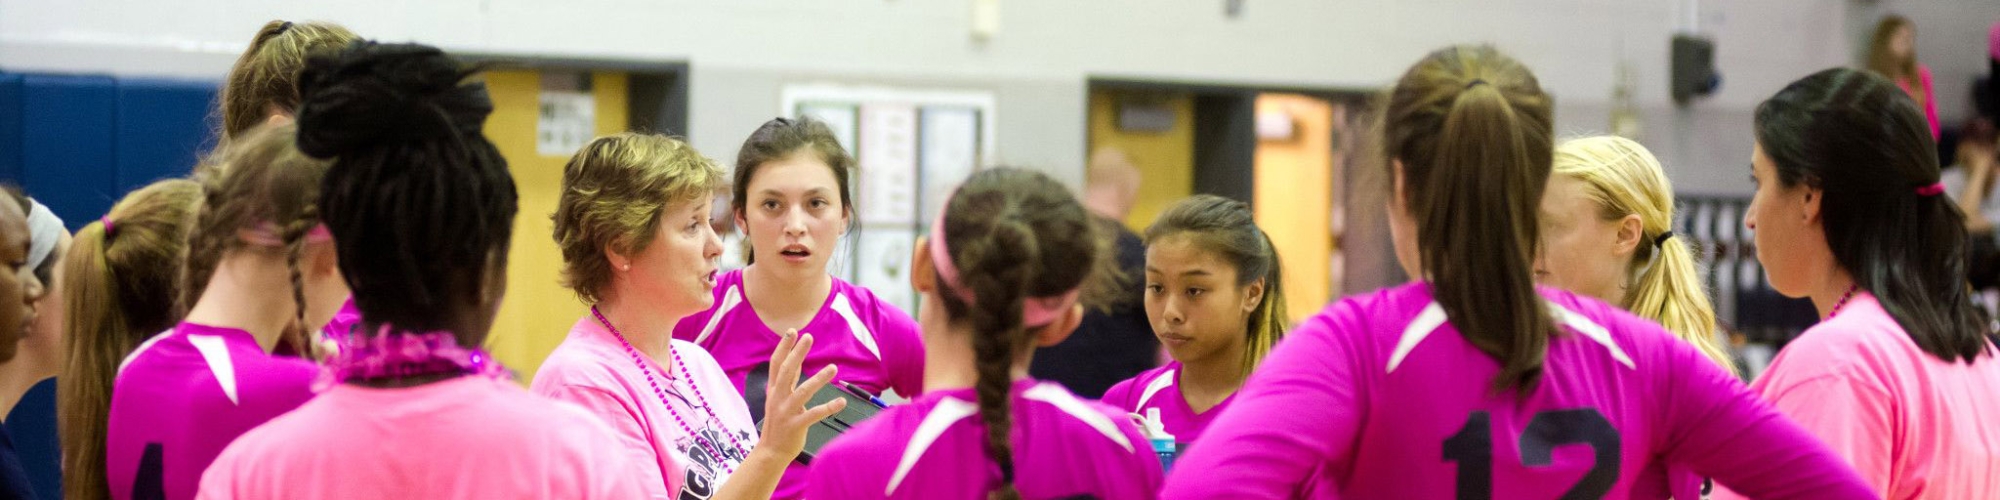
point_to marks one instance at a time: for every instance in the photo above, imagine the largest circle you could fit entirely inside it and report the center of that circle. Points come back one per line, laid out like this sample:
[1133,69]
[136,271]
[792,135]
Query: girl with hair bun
[421,210]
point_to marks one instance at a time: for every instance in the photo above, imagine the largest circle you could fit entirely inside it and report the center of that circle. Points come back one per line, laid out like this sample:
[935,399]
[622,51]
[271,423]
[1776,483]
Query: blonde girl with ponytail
[1607,223]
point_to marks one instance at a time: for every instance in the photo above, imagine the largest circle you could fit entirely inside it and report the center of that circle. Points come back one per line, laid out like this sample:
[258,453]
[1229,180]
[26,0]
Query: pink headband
[267,234]
[1035,311]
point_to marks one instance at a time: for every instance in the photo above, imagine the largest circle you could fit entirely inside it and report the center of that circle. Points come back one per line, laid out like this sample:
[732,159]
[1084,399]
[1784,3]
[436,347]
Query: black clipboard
[860,407]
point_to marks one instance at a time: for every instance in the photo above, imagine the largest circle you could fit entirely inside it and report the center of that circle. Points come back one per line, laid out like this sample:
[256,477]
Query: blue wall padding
[163,127]
[10,128]
[67,144]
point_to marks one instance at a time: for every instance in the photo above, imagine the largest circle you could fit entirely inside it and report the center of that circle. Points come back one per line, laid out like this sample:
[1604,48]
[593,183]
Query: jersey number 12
[1472,448]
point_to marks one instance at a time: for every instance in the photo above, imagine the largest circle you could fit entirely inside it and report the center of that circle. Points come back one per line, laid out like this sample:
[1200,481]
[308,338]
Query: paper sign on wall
[888,187]
[568,114]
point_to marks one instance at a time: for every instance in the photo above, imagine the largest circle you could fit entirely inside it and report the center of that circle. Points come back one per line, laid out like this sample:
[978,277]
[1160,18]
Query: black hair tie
[282,28]
[1662,238]
[1474,83]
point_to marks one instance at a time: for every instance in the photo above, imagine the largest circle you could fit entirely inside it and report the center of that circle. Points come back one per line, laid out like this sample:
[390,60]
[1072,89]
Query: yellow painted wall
[1294,193]
[1165,159]
[538,311]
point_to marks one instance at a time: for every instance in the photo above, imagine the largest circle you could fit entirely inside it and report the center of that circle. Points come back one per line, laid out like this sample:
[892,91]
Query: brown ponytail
[1474,134]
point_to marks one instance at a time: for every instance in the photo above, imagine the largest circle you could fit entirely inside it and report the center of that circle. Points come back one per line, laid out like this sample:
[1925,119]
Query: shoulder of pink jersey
[872,309]
[727,283]
[1125,393]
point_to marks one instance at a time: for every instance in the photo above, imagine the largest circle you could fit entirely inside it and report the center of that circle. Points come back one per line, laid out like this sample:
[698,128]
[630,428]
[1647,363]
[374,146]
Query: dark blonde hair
[1013,234]
[120,280]
[1890,65]
[613,192]
[1228,229]
[265,179]
[1475,135]
[267,74]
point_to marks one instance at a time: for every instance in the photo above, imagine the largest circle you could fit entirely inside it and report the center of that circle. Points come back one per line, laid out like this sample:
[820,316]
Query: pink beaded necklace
[706,444]
[1843,301]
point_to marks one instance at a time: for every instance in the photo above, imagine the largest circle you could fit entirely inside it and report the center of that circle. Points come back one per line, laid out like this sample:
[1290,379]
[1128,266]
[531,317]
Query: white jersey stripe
[730,299]
[215,351]
[948,411]
[854,324]
[1433,317]
[143,346]
[1154,387]
[1062,400]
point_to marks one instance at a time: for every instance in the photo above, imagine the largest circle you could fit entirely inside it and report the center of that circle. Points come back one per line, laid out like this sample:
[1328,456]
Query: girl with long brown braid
[184,395]
[1000,273]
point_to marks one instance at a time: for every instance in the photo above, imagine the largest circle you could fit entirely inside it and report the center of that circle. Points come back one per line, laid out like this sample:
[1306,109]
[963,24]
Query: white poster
[568,121]
[839,117]
[882,264]
[950,153]
[888,176]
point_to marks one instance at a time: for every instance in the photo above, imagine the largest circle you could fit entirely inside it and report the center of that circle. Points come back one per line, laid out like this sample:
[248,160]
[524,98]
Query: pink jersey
[934,448]
[464,438]
[876,346]
[1382,397]
[1160,388]
[184,395]
[1916,426]
[592,369]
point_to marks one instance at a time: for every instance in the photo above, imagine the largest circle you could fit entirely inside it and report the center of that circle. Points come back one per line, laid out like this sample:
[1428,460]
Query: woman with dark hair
[421,210]
[792,199]
[1466,383]
[1899,376]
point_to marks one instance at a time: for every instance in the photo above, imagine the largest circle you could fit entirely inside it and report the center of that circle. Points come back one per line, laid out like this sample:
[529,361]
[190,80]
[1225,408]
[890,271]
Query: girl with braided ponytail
[421,207]
[999,274]
[181,397]
[1216,303]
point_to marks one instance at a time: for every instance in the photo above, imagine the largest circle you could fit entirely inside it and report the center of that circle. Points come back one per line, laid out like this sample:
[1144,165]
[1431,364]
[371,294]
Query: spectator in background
[1971,188]
[1114,343]
[1893,54]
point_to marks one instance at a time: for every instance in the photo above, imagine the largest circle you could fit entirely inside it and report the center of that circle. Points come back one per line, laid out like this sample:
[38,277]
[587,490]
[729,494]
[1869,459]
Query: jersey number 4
[1472,448]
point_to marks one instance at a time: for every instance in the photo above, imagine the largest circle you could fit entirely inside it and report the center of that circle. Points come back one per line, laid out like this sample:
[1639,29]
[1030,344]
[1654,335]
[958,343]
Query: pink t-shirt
[876,346]
[1161,388]
[1915,426]
[1930,97]
[1379,396]
[593,370]
[184,395]
[934,447]
[467,438]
